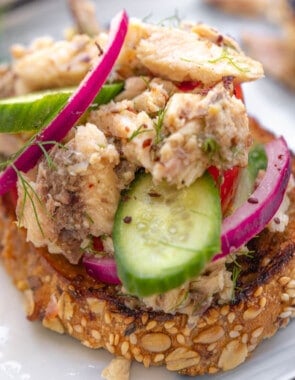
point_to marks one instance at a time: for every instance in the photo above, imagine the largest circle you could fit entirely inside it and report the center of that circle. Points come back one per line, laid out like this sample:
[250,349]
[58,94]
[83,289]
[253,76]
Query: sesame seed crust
[68,301]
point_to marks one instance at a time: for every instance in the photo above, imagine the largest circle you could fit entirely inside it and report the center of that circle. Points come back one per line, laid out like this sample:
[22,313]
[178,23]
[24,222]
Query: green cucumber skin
[28,117]
[150,278]
[107,93]
[31,112]
[257,160]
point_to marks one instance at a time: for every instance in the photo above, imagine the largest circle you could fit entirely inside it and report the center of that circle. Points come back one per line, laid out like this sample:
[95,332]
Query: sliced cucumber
[29,113]
[257,160]
[164,236]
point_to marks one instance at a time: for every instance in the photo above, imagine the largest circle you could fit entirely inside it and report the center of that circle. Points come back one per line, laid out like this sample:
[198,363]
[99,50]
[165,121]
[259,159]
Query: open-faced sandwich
[145,212]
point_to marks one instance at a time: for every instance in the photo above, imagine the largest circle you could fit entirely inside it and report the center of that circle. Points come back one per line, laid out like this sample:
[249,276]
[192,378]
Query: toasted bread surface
[67,300]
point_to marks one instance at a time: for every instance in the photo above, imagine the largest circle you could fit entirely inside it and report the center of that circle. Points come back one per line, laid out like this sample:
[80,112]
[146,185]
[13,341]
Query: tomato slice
[239,92]
[227,183]
[97,244]
[229,179]
[229,186]
[191,85]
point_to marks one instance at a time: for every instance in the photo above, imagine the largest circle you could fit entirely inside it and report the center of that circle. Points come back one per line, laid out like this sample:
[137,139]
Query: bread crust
[67,300]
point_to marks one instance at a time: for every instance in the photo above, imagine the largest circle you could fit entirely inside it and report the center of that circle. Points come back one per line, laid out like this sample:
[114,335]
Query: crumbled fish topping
[154,124]
[196,296]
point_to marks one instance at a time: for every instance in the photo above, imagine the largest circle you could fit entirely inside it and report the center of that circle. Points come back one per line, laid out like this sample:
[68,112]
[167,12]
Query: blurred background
[21,20]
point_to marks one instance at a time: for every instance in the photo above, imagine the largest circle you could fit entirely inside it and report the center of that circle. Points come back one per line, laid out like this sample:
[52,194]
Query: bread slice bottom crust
[67,300]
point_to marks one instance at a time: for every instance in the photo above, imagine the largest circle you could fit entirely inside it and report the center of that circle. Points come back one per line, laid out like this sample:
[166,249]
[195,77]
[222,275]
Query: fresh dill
[185,59]
[88,248]
[235,275]
[88,217]
[41,144]
[225,56]
[4,164]
[146,81]
[49,160]
[237,267]
[158,125]
[28,191]
[171,21]
[139,131]
[147,17]
[210,145]
[30,194]
[249,254]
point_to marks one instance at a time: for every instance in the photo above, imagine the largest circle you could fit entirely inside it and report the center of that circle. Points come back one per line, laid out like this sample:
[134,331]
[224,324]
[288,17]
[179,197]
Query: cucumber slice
[257,160]
[31,112]
[164,236]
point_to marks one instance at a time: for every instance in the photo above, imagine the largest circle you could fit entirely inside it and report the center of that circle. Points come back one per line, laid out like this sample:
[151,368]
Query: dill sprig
[171,21]
[158,125]
[42,144]
[210,146]
[235,275]
[186,59]
[88,248]
[249,253]
[139,131]
[225,56]
[146,81]
[88,217]
[4,164]
[28,191]
[237,267]
[147,18]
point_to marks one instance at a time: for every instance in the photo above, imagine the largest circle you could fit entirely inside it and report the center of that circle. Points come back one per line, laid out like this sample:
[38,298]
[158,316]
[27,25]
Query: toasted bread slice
[68,301]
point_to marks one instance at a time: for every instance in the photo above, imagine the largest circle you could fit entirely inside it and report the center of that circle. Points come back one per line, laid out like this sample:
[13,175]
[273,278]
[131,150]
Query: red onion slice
[76,106]
[102,269]
[250,219]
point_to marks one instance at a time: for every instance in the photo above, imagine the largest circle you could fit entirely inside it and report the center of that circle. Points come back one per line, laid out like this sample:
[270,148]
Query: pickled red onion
[251,218]
[103,269]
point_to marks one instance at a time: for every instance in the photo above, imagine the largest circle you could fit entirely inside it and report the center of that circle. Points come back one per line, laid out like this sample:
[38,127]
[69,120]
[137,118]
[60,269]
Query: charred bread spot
[130,329]
[278,255]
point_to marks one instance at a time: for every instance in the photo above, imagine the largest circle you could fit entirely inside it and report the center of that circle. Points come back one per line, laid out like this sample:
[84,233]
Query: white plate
[30,352]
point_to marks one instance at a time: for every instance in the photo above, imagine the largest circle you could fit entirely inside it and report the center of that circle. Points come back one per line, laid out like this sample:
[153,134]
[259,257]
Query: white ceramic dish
[30,352]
